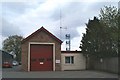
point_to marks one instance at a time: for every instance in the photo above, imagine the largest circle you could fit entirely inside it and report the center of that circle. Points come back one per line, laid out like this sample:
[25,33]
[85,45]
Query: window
[69,59]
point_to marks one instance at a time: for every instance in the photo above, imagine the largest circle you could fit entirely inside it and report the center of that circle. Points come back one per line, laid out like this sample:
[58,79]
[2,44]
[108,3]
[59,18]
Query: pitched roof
[39,30]
[5,54]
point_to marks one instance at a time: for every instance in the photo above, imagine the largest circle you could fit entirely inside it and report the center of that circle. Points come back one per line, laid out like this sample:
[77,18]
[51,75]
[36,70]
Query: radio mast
[68,43]
[67,36]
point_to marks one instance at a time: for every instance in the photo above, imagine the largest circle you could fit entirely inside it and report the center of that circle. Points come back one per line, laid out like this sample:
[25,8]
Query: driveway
[13,69]
[16,72]
[59,74]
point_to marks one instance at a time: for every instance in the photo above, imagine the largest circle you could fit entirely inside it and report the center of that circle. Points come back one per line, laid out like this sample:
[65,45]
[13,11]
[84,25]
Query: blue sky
[25,17]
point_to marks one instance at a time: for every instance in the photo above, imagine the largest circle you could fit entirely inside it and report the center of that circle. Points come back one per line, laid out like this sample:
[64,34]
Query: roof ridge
[41,29]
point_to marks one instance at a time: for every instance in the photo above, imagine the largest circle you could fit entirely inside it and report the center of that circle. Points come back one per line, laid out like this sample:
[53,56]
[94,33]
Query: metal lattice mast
[68,43]
[67,36]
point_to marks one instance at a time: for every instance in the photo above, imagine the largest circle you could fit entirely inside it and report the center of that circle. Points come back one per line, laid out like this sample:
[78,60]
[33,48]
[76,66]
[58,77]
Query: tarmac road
[59,74]
[16,72]
[13,69]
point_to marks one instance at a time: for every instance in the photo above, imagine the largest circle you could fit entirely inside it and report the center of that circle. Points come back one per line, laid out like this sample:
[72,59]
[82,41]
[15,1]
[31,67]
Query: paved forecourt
[59,74]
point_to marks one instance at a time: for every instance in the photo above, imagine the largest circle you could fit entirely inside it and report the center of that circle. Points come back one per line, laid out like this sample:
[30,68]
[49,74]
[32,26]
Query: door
[41,57]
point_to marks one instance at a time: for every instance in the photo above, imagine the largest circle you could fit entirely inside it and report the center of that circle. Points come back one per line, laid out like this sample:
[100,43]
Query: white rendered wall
[79,62]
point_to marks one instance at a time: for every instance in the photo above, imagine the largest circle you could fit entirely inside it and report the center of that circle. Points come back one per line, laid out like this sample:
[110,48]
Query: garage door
[41,57]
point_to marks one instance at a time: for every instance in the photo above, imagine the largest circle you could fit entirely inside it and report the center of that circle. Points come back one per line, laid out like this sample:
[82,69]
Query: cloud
[73,14]
[12,6]
[27,17]
[72,17]
[10,10]
[9,29]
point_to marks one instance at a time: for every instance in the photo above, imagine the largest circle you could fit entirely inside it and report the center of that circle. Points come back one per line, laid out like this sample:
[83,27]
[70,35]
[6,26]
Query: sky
[25,17]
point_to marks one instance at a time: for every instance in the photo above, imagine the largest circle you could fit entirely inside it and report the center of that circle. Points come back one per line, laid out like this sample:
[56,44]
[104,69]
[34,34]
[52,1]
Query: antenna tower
[67,36]
[68,43]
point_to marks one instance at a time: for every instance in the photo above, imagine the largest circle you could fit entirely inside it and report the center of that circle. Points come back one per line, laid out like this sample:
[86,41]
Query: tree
[119,32]
[13,44]
[94,42]
[109,17]
[101,38]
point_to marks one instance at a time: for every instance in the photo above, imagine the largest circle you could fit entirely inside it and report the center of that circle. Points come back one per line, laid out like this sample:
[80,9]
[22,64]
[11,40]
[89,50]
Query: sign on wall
[57,61]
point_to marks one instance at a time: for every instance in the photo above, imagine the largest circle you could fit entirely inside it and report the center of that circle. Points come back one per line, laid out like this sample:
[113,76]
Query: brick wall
[44,38]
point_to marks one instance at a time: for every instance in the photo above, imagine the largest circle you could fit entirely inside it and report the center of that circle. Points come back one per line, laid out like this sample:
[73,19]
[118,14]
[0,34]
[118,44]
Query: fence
[105,64]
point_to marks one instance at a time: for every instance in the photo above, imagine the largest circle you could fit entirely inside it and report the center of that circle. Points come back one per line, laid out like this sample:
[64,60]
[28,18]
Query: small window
[69,59]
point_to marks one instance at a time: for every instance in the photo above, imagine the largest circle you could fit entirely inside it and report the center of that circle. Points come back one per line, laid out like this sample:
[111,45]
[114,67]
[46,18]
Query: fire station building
[41,51]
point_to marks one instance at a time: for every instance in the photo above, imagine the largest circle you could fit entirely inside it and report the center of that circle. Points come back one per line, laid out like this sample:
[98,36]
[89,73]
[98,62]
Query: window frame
[70,61]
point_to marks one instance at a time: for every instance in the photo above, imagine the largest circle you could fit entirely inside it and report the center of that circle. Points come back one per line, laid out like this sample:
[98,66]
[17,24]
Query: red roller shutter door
[41,57]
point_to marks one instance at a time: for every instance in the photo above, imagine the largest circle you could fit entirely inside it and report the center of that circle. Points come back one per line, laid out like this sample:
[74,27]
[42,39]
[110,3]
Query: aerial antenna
[60,19]
[67,36]
[60,24]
